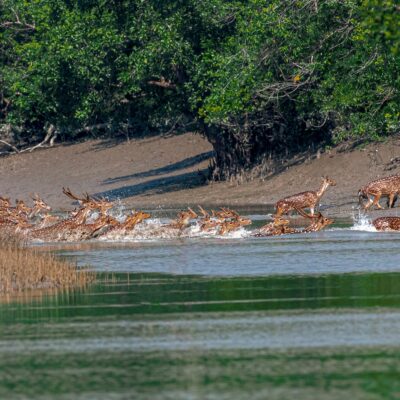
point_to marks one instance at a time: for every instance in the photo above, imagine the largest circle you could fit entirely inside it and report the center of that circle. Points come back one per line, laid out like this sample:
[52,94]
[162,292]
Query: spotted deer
[277,227]
[318,223]
[5,202]
[207,223]
[234,224]
[374,190]
[89,231]
[60,229]
[39,206]
[130,222]
[183,219]
[280,226]
[47,220]
[309,199]
[102,204]
[387,223]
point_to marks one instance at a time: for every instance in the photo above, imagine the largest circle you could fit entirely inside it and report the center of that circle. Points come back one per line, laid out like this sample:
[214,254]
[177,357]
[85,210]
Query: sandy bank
[169,172]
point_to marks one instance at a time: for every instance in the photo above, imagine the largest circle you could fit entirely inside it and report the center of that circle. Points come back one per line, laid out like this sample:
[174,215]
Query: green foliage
[259,76]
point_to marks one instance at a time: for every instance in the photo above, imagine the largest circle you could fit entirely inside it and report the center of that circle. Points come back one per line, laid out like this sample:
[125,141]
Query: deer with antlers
[303,200]
[374,190]
[102,204]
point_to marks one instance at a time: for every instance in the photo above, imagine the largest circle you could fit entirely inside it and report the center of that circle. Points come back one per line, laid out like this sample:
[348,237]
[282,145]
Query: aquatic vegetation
[24,268]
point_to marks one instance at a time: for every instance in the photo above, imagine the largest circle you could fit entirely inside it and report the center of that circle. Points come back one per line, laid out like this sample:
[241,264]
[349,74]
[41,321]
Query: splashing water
[361,222]
[155,229]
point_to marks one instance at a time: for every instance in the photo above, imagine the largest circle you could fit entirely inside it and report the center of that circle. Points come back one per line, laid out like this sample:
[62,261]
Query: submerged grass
[23,268]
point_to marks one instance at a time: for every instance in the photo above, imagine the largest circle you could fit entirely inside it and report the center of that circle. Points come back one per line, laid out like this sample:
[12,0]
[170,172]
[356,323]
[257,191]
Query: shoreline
[169,173]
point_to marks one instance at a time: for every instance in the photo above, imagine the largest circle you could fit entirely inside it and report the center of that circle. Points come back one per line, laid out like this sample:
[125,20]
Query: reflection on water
[302,317]
[162,336]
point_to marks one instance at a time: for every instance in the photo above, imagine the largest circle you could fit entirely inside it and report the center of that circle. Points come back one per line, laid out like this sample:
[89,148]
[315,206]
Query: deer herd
[92,218]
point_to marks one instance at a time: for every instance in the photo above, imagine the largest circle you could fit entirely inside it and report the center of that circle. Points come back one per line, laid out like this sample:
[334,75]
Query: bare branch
[164,83]
[22,25]
[10,145]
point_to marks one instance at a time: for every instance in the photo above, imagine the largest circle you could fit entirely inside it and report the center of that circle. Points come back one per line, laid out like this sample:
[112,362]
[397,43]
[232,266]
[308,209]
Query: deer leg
[395,197]
[279,212]
[391,198]
[376,201]
[369,203]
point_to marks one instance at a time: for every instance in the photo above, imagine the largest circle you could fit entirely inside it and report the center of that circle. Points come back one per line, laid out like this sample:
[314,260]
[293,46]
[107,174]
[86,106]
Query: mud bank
[170,173]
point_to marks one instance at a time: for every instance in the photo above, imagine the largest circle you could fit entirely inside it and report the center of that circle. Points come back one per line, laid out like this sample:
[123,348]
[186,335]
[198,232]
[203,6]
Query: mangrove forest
[261,79]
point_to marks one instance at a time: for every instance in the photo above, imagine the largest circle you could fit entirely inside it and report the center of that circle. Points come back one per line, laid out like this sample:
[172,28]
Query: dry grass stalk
[24,268]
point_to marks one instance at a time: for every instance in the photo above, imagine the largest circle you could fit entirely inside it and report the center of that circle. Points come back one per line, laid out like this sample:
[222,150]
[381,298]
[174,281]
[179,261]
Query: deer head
[21,207]
[279,221]
[39,203]
[102,204]
[5,202]
[328,181]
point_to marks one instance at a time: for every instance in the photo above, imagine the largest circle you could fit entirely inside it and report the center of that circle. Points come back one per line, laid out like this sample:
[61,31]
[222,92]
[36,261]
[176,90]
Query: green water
[167,336]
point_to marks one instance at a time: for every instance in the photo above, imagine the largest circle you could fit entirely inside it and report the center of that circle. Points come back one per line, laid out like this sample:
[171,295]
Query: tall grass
[24,268]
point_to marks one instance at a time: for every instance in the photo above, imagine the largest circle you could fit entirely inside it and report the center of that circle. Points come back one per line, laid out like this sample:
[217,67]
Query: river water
[313,316]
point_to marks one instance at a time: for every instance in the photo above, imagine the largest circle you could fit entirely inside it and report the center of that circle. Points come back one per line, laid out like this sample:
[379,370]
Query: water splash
[155,229]
[361,222]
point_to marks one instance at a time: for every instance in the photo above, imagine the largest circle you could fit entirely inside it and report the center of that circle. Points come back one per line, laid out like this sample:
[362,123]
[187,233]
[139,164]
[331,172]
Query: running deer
[309,199]
[234,224]
[206,223]
[60,229]
[183,219]
[5,202]
[102,204]
[224,214]
[387,223]
[89,231]
[373,191]
[130,222]
[319,222]
[39,205]
[277,227]
[47,220]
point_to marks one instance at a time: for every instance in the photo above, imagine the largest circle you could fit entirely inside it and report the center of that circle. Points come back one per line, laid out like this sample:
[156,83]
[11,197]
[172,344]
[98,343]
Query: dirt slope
[169,172]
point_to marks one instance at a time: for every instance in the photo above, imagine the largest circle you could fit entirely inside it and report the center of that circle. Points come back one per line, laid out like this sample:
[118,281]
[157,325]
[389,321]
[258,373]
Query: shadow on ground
[158,186]
[186,163]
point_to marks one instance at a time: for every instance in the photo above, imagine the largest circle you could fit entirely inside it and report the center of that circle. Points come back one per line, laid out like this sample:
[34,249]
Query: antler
[68,193]
[83,200]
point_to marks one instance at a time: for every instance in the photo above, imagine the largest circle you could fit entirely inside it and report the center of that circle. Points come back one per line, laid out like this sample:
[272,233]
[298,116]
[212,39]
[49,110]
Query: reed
[23,268]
